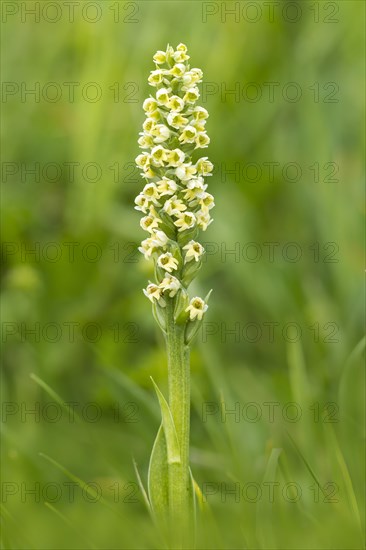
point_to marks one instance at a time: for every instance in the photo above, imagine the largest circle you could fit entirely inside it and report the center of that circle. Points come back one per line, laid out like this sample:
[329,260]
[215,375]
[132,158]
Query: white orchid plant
[175,205]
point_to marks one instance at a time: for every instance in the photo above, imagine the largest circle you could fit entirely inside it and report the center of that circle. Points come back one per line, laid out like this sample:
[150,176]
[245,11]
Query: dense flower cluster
[174,201]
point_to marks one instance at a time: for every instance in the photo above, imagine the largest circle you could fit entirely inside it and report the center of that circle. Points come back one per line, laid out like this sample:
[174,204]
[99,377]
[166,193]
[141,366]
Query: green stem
[179,402]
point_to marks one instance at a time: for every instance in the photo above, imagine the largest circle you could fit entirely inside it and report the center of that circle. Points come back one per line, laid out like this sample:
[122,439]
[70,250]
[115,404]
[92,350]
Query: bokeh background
[282,344]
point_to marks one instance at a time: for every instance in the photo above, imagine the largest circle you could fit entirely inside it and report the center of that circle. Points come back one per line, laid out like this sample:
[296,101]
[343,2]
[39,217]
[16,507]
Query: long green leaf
[305,461]
[346,475]
[141,485]
[172,443]
[264,521]
[158,479]
[82,484]
[54,396]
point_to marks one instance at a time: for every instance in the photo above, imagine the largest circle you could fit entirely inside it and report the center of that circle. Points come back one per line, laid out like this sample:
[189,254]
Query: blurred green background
[282,343]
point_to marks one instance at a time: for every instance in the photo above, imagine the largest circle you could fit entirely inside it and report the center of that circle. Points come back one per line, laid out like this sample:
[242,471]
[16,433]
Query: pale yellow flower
[150,191]
[154,292]
[185,220]
[166,187]
[175,104]
[160,239]
[143,160]
[149,223]
[150,105]
[149,124]
[185,171]
[179,69]
[145,141]
[168,262]
[174,206]
[158,155]
[202,140]
[206,201]
[161,133]
[203,220]
[160,57]
[197,307]
[180,56]
[188,135]
[195,189]
[142,203]
[155,77]
[191,95]
[170,284]
[175,158]
[194,251]
[200,113]
[176,120]
[204,167]
[162,96]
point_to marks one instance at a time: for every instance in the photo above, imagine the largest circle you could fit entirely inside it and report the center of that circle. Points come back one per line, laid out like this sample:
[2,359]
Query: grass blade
[264,511]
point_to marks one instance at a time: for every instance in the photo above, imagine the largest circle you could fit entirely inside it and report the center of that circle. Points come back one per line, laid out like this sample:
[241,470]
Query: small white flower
[145,141]
[149,124]
[150,191]
[166,187]
[197,74]
[154,292]
[147,247]
[176,120]
[162,96]
[181,48]
[202,140]
[206,202]
[168,262]
[176,157]
[149,173]
[180,56]
[203,220]
[185,171]
[149,223]
[143,160]
[175,103]
[200,113]
[150,105]
[197,307]
[191,78]
[191,95]
[158,155]
[161,133]
[204,166]
[174,206]
[160,239]
[155,77]
[142,203]
[155,115]
[170,284]
[185,220]
[199,125]
[194,251]
[160,57]
[179,69]
[188,135]
[195,189]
